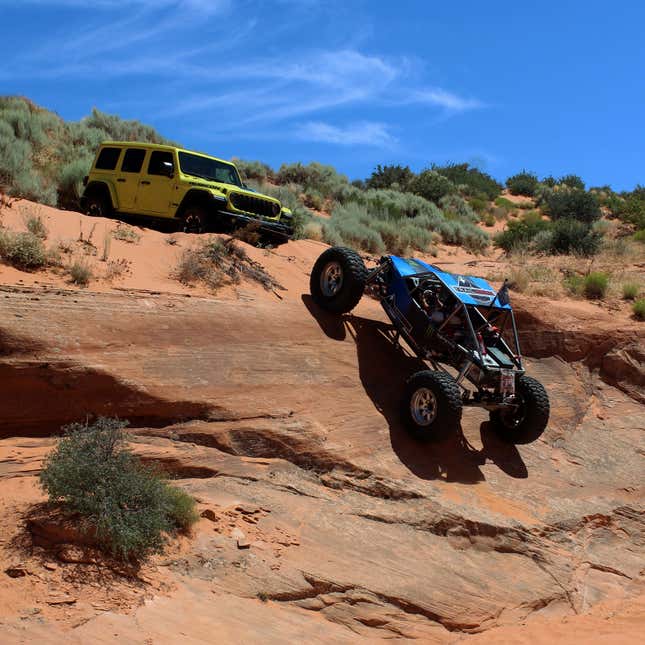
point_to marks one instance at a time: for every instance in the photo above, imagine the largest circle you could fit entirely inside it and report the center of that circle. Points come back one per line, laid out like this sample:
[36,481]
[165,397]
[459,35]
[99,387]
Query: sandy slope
[283,422]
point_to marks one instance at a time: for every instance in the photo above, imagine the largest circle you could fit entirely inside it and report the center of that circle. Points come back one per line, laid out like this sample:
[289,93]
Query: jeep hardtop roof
[161,146]
[468,289]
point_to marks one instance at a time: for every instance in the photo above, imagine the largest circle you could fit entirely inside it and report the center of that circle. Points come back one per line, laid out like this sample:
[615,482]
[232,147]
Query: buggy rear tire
[432,405]
[528,422]
[338,280]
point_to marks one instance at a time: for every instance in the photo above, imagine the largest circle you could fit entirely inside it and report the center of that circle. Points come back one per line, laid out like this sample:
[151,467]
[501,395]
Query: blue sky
[553,87]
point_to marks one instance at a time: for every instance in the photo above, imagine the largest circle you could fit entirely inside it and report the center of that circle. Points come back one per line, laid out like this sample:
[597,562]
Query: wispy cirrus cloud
[362,133]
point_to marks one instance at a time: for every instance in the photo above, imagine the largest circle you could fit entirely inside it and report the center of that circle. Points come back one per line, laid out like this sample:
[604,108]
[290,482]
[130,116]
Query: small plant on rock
[630,290]
[595,285]
[125,506]
[639,309]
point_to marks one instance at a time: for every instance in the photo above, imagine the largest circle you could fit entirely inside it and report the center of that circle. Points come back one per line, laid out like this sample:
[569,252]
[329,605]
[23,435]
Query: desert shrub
[488,219]
[125,506]
[574,284]
[595,285]
[639,309]
[630,290]
[36,226]
[549,181]
[478,204]
[313,199]
[431,186]
[571,236]
[314,176]
[126,234]
[573,204]
[572,181]
[459,207]
[70,181]
[471,181]
[396,177]
[639,236]
[80,272]
[506,204]
[217,263]
[313,230]
[352,224]
[22,250]
[521,232]
[253,169]
[630,207]
[523,183]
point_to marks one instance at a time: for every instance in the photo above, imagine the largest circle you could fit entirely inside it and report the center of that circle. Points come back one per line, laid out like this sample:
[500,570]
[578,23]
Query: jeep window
[157,158]
[206,168]
[107,159]
[133,160]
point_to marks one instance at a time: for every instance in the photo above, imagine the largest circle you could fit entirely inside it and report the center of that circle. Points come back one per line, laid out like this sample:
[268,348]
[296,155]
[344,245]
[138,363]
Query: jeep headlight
[286,214]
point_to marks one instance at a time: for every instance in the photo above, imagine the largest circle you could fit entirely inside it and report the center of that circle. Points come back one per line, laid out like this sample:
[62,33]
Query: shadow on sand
[383,369]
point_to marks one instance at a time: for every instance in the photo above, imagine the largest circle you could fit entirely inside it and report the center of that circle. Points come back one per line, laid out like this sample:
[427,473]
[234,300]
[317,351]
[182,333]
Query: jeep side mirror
[167,169]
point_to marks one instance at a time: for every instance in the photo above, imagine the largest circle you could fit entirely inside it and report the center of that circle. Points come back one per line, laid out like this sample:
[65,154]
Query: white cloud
[366,133]
[444,99]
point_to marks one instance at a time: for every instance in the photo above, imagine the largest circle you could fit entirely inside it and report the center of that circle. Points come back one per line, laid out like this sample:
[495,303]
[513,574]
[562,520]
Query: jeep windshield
[210,169]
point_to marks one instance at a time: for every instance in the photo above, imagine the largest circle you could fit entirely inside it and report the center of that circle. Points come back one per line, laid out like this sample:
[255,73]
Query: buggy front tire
[338,280]
[526,423]
[432,405]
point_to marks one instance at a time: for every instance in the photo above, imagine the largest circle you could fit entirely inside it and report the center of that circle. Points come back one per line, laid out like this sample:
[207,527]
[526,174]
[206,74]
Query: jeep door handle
[146,183]
[121,180]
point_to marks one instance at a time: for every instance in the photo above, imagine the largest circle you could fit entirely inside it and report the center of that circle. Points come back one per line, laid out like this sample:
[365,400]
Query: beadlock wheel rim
[331,279]
[423,406]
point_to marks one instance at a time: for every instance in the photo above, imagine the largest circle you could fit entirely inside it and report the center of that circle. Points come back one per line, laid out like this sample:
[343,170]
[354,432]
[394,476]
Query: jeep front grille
[257,205]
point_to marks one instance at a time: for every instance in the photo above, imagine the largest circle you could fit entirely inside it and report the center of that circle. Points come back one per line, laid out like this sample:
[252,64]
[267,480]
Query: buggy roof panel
[468,289]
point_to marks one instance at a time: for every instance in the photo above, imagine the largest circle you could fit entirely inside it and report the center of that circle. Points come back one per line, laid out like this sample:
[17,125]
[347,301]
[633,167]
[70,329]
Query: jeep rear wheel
[194,220]
[338,280]
[432,405]
[526,422]
[97,206]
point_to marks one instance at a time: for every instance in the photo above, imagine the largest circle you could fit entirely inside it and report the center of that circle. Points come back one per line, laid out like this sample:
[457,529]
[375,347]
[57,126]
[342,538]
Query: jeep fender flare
[104,189]
[203,198]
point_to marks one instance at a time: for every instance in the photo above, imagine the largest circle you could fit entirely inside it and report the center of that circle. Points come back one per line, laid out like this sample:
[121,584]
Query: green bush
[472,181]
[639,309]
[524,183]
[431,186]
[506,204]
[631,290]
[630,207]
[520,233]
[315,176]
[478,204]
[571,236]
[397,177]
[253,169]
[459,207]
[125,506]
[595,285]
[639,236]
[22,250]
[36,226]
[572,181]
[80,272]
[575,285]
[574,204]
[549,181]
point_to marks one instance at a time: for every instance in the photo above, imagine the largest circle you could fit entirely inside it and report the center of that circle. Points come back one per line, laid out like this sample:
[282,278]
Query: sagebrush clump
[126,507]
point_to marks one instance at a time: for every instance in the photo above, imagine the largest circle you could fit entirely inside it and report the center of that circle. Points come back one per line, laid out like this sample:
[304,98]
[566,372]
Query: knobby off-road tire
[193,220]
[338,280]
[529,421]
[432,406]
[97,205]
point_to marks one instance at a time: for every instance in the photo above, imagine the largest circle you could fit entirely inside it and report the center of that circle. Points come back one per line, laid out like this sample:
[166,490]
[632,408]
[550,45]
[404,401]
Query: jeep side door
[155,189]
[127,179]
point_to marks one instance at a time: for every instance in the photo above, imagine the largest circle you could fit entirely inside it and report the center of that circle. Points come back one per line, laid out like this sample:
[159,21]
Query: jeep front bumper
[276,229]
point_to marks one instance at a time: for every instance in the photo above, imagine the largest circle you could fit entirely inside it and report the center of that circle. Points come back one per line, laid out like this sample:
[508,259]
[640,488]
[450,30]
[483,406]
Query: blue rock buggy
[457,323]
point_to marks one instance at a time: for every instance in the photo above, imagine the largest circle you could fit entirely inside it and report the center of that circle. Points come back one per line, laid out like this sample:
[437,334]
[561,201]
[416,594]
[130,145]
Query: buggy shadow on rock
[458,324]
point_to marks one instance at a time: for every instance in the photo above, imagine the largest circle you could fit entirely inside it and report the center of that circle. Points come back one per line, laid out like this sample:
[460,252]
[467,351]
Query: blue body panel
[470,290]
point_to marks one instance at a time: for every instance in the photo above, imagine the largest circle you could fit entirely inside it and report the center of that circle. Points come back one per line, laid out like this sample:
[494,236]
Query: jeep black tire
[193,220]
[96,204]
[338,280]
[529,420]
[432,405]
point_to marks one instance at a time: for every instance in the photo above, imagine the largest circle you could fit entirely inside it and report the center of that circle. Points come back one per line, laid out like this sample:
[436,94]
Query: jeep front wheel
[194,220]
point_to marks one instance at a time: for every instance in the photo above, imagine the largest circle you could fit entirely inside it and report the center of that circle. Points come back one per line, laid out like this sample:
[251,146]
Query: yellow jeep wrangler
[199,192]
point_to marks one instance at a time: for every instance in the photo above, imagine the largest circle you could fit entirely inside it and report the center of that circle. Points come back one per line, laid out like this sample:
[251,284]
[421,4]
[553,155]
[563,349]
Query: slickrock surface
[321,521]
